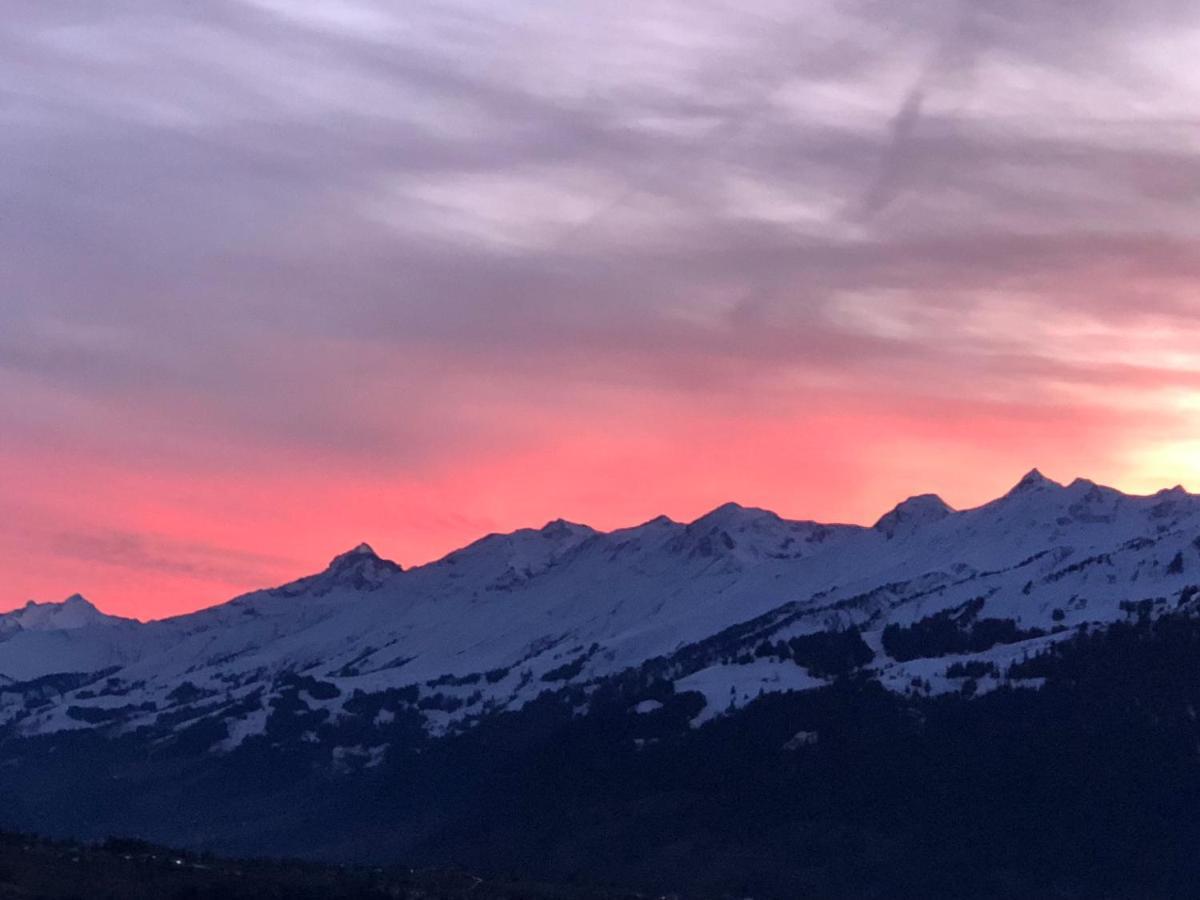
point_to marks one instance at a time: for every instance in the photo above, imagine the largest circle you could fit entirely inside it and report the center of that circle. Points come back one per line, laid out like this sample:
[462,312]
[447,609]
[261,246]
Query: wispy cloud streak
[271,249]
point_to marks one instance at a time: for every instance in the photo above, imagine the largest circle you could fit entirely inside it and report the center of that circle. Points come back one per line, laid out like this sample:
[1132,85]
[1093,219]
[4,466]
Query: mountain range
[662,635]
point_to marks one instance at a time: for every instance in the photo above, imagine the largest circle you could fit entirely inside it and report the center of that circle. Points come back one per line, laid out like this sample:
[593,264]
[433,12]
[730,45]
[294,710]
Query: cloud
[353,239]
[144,553]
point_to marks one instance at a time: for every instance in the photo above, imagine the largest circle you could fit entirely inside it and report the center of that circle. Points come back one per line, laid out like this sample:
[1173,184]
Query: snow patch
[729,687]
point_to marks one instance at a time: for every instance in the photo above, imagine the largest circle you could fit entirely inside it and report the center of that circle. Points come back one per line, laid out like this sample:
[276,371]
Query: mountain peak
[913,513]
[360,568]
[730,515]
[1033,480]
[561,528]
[357,556]
[78,601]
[74,612]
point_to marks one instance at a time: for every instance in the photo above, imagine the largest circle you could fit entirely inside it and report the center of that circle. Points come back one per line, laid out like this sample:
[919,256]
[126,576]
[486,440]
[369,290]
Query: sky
[281,276]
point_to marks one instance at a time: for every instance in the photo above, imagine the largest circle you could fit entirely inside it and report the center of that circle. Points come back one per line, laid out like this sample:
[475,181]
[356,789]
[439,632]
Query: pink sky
[154,543]
[277,278]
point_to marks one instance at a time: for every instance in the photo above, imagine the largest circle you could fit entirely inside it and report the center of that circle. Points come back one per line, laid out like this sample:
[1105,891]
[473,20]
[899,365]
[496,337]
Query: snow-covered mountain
[74,612]
[43,638]
[726,606]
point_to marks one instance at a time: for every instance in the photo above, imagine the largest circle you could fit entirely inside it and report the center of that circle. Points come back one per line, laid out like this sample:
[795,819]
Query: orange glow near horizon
[152,544]
[184,511]
[264,295]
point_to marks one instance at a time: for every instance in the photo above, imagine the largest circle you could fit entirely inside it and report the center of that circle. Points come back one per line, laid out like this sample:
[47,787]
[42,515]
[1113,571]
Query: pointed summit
[1033,480]
[1178,491]
[74,612]
[560,529]
[359,559]
[359,569]
[912,514]
[731,515]
[359,553]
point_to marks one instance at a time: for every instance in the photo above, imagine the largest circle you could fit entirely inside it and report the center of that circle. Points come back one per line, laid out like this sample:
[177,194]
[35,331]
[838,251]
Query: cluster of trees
[1087,787]
[129,869]
[972,668]
[950,631]
[825,653]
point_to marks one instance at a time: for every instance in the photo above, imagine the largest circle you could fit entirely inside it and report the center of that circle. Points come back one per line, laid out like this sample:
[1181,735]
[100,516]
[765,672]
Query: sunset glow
[277,278]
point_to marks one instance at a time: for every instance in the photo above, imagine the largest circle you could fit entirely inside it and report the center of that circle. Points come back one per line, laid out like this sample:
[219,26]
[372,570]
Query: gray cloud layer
[261,219]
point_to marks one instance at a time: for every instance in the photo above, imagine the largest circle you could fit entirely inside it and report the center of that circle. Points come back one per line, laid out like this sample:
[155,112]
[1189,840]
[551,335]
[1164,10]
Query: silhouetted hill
[118,869]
